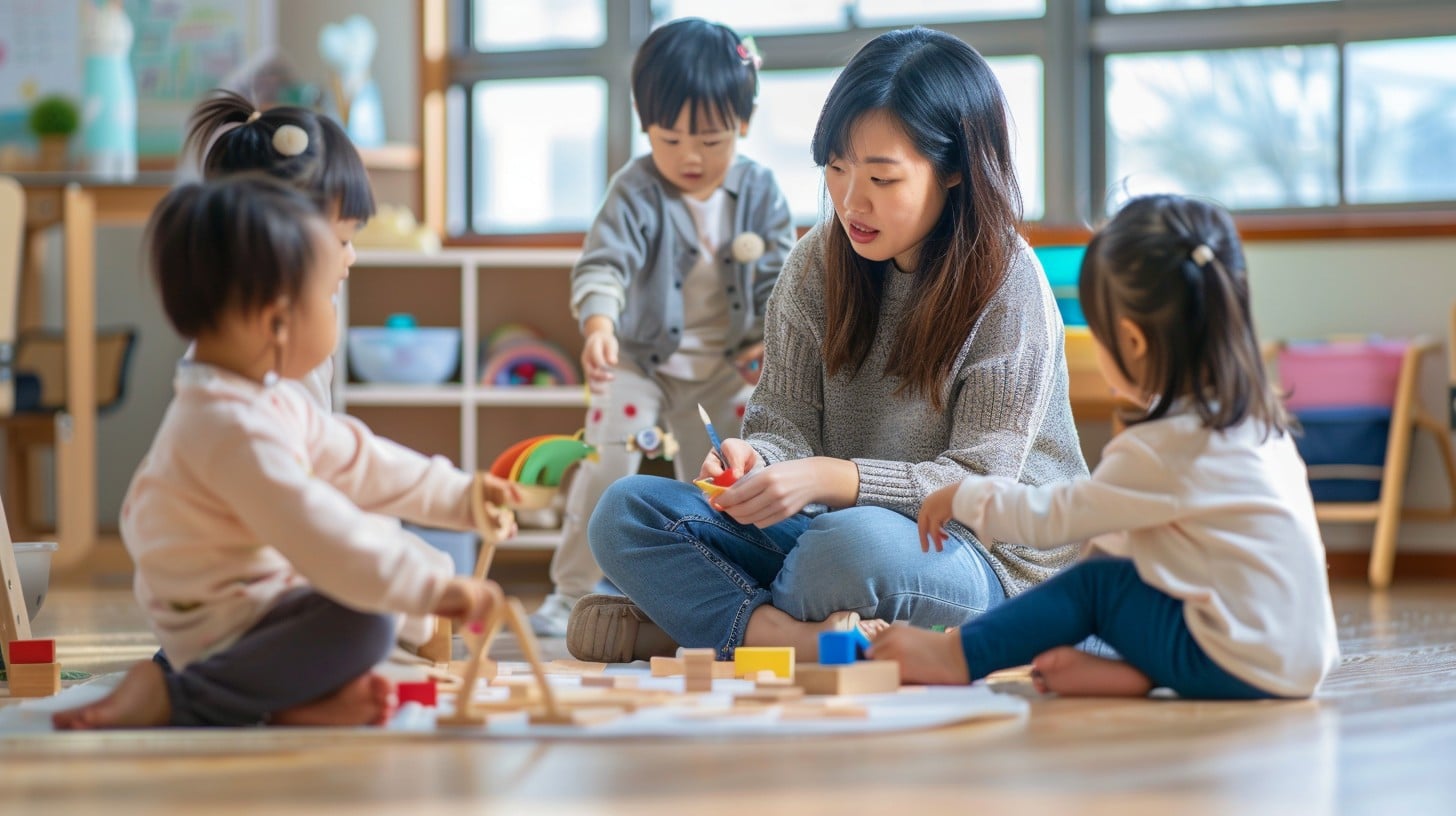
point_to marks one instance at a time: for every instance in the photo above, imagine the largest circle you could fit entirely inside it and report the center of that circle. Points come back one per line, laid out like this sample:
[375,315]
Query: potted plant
[53,120]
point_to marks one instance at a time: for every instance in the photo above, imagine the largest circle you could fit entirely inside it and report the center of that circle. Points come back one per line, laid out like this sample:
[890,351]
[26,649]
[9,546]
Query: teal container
[1063,267]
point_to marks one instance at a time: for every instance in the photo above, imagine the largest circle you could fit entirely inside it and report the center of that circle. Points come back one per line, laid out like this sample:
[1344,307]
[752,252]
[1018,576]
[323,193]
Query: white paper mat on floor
[704,716]
[713,715]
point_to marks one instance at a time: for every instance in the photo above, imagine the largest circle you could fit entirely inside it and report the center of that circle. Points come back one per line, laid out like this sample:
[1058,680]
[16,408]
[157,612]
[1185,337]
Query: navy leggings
[305,648]
[1103,597]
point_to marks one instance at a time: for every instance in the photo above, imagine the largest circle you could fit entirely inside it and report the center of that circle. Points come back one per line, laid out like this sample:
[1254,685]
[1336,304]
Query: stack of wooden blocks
[32,669]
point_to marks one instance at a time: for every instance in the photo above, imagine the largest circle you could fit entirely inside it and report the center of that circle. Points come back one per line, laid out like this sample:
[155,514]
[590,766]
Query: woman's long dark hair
[1147,265]
[944,96]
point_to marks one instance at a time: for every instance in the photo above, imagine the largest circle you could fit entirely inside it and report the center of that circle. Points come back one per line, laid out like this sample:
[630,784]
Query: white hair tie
[1202,255]
[290,140]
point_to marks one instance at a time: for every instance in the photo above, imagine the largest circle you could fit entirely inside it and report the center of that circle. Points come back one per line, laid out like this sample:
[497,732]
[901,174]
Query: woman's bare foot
[139,701]
[770,626]
[368,699]
[1072,673]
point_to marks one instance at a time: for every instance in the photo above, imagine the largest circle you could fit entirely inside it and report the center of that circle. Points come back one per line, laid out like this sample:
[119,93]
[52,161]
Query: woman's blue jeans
[700,575]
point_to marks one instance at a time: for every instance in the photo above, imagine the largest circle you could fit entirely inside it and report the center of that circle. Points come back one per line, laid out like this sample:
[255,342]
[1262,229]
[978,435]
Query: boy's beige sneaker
[612,629]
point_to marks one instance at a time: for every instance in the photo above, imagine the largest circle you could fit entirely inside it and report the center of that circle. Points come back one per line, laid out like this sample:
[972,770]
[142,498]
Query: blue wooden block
[838,648]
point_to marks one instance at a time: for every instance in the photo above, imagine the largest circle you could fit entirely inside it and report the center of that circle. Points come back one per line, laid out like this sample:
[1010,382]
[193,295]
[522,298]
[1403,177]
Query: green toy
[547,462]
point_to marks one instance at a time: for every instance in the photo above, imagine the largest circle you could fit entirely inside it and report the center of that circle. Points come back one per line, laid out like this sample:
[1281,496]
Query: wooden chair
[1407,416]
[40,366]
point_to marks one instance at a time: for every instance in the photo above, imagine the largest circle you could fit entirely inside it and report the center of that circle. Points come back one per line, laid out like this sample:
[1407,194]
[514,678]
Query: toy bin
[404,355]
[1063,268]
[1344,449]
[1340,374]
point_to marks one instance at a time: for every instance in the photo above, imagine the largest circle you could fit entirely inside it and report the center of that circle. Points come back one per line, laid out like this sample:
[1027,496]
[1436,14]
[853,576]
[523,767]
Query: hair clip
[290,140]
[1202,255]
[748,52]
[253,117]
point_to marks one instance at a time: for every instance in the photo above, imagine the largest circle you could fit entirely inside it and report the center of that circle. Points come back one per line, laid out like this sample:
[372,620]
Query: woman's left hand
[768,496]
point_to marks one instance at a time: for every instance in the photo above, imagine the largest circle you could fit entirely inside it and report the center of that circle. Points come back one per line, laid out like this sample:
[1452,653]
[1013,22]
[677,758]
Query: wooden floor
[1380,738]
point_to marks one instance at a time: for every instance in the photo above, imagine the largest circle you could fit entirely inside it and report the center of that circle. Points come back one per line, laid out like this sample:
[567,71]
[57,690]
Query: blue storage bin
[1063,268]
[1344,449]
[460,546]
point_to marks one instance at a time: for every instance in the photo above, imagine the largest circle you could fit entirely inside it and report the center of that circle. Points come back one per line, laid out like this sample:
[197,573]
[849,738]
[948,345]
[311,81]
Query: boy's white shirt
[706,323]
[251,490]
[1222,521]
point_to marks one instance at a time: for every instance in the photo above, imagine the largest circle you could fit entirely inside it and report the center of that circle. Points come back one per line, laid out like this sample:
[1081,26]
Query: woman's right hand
[741,459]
[468,600]
[599,354]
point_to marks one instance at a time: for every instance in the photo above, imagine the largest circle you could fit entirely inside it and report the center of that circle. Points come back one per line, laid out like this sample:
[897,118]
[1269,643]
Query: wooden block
[749,660]
[824,712]
[578,716]
[582,667]
[424,693]
[31,651]
[611,681]
[723,670]
[864,677]
[34,679]
[696,654]
[667,667]
[438,648]
[770,696]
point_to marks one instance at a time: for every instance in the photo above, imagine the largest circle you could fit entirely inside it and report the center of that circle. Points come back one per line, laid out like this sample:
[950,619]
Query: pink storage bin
[1340,374]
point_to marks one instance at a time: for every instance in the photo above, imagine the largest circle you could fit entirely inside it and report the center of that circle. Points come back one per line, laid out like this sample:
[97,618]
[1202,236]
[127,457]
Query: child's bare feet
[368,699]
[771,626]
[1072,673]
[932,658]
[139,701]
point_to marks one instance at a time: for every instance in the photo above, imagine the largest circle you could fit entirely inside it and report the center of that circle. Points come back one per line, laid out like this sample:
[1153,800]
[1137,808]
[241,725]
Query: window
[1287,106]
[1253,128]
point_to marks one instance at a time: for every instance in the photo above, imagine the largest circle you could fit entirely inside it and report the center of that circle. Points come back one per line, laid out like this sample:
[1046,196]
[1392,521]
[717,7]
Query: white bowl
[33,559]
[411,356]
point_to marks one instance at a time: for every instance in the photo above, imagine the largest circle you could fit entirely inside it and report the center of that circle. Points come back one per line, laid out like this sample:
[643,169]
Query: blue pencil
[713,437]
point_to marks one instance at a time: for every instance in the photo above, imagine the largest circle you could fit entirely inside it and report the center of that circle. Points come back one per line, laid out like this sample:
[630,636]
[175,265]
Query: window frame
[1073,40]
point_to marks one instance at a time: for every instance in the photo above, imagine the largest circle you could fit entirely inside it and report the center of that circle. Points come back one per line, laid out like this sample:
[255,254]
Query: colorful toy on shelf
[537,465]
[394,227]
[516,354]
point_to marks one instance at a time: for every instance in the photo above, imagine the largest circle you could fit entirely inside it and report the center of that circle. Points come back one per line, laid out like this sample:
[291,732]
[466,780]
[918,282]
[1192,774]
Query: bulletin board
[182,49]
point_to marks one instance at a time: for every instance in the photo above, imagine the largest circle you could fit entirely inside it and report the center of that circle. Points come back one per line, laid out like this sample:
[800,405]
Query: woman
[912,340]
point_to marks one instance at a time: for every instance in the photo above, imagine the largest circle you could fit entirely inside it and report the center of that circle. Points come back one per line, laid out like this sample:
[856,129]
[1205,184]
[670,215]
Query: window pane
[925,12]
[1253,128]
[1021,79]
[758,16]
[788,109]
[1123,6]
[511,25]
[1401,130]
[540,153]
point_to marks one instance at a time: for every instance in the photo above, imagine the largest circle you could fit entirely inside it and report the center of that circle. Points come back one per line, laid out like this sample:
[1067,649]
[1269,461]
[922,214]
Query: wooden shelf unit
[476,291]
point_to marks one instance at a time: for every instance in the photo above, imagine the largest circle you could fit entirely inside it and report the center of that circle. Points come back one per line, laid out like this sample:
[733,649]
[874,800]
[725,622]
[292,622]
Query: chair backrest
[12,227]
[42,352]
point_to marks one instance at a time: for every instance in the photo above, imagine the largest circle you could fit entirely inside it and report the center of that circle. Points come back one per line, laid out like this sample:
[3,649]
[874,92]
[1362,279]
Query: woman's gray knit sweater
[1006,413]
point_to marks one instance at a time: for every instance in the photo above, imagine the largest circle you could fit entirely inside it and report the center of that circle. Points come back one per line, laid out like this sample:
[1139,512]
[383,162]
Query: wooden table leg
[76,433]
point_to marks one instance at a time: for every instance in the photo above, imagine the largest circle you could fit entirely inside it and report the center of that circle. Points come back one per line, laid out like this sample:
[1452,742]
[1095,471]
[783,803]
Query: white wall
[395,67]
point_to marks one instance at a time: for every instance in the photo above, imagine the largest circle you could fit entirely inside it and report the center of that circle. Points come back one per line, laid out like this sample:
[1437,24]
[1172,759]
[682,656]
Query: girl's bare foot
[366,700]
[770,626]
[932,658]
[139,701]
[1072,673]
[873,627]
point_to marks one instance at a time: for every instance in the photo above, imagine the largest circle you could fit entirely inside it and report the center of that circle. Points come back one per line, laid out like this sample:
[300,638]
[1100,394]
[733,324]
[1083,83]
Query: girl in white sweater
[1205,568]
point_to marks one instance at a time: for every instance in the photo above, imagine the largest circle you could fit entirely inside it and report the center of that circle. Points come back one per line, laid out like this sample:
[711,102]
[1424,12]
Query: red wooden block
[31,651]
[422,693]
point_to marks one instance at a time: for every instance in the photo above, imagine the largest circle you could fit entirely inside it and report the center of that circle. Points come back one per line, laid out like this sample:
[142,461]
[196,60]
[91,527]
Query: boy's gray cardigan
[643,243]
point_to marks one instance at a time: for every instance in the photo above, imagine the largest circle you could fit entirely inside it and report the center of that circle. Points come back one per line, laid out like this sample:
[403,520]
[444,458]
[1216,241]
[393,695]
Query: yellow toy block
[750,660]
